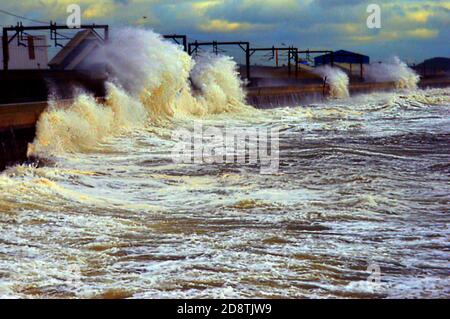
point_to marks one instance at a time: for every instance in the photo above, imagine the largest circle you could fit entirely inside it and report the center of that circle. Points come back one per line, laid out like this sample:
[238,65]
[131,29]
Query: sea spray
[218,80]
[147,66]
[150,86]
[336,79]
[392,71]
[86,122]
[160,72]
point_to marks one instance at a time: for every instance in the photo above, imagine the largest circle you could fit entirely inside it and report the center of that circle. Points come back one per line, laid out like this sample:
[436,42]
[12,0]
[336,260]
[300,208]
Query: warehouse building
[26,52]
[76,51]
[349,61]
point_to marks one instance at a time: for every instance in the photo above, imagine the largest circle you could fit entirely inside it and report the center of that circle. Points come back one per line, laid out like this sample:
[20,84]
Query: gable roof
[76,50]
[342,56]
[350,53]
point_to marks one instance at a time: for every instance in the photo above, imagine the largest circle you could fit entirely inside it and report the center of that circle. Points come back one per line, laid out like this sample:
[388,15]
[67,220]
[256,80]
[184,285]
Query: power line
[21,17]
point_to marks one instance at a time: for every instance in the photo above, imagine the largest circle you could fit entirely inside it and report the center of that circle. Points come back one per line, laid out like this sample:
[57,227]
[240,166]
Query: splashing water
[362,181]
[337,80]
[393,71]
[219,82]
[148,87]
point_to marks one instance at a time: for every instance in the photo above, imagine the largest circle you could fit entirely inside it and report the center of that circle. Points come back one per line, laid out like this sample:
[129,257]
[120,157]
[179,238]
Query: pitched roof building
[342,56]
[76,51]
[26,52]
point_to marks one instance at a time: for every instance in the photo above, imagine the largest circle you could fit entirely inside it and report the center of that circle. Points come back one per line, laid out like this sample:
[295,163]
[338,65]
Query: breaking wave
[337,80]
[149,87]
[393,71]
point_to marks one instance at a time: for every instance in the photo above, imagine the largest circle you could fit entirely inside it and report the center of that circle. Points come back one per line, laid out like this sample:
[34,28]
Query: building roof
[342,56]
[76,50]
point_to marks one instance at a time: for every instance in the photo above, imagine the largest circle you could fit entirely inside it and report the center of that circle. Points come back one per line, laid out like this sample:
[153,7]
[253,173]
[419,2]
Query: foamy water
[336,79]
[363,181]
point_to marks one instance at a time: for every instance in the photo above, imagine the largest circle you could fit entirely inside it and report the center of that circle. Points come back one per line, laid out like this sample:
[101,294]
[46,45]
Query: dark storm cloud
[335,3]
[410,28]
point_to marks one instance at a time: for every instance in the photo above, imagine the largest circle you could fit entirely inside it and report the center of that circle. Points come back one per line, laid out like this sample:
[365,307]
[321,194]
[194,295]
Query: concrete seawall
[269,97]
[14,144]
[23,86]
[18,128]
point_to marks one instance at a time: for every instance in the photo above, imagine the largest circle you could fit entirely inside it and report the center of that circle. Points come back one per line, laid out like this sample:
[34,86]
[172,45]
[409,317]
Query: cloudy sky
[411,29]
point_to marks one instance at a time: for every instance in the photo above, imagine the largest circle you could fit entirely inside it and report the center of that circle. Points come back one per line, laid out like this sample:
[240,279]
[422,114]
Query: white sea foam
[392,71]
[150,86]
[336,79]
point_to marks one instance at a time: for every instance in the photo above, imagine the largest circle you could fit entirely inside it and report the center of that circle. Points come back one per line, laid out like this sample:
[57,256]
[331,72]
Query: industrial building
[343,57]
[351,62]
[27,52]
[76,51]
[25,75]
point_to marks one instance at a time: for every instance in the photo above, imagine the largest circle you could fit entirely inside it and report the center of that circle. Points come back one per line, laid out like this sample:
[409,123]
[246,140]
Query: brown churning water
[363,184]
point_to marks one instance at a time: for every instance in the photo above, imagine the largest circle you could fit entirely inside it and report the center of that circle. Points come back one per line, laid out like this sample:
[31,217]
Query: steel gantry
[292,55]
[178,39]
[245,46]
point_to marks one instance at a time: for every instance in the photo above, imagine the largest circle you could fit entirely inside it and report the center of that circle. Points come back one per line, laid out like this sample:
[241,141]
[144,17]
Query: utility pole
[5,48]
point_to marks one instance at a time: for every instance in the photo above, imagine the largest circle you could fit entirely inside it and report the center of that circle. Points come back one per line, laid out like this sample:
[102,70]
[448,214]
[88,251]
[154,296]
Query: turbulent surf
[362,184]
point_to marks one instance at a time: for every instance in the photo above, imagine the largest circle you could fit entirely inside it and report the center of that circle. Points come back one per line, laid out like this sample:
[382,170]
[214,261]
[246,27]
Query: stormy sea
[358,206]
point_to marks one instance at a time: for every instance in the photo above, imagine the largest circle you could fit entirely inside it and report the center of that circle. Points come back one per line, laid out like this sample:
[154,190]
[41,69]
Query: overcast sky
[411,29]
